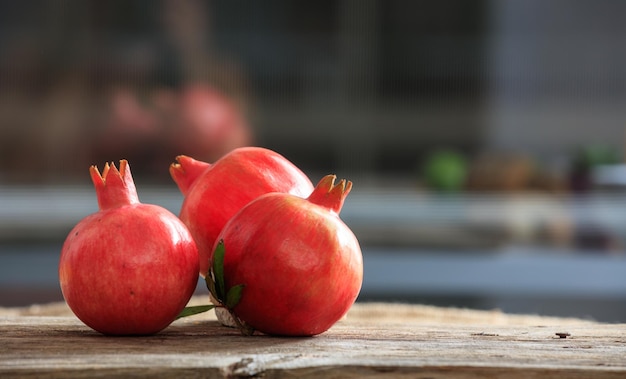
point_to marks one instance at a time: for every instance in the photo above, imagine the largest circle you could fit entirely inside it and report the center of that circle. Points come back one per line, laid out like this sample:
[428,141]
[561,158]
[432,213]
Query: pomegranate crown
[185,171]
[329,195]
[114,187]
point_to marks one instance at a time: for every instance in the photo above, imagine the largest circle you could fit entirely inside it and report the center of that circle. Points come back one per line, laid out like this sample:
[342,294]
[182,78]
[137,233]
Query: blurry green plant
[445,170]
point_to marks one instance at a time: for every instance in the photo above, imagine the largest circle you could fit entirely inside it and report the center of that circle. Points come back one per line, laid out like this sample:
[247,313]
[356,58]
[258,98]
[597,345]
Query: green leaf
[218,270]
[210,284]
[233,296]
[190,311]
[217,287]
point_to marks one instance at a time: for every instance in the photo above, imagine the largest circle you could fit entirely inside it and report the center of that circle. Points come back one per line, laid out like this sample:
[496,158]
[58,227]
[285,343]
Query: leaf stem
[244,328]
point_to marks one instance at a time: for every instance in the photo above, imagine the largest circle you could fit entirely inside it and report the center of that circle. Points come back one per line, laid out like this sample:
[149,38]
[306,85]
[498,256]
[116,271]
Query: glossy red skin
[232,182]
[128,270]
[301,265]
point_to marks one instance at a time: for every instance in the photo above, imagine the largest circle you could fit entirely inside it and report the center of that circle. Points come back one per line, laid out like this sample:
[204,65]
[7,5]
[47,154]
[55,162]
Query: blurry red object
[208,124]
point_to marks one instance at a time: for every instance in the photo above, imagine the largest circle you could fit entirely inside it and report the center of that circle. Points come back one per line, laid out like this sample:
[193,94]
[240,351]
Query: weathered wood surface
[375,340]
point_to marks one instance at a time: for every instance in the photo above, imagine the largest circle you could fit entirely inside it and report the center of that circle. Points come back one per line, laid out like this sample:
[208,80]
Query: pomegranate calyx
[185,171]
[114,188]
[329,195]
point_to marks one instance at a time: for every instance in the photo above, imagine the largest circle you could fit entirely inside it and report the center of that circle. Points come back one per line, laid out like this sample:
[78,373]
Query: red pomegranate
[213,193]
[299,265]
[130,268]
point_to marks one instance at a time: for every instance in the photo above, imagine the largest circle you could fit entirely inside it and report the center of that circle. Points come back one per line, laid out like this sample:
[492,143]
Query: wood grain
[367,344]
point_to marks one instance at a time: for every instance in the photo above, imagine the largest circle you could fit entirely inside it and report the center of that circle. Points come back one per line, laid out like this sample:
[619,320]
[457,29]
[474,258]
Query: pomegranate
[213,193]
[299,267]
[196,119]
[208,123]
[129,268]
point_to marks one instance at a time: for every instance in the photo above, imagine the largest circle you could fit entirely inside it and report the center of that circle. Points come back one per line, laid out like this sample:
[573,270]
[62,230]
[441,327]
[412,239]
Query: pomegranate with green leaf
[291,266]
[130,268]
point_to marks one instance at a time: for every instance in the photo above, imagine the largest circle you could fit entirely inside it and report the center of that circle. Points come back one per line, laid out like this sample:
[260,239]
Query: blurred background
[485,139]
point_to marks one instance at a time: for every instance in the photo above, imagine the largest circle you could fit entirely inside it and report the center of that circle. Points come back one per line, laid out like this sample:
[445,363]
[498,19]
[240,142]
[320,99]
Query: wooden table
[375,340]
